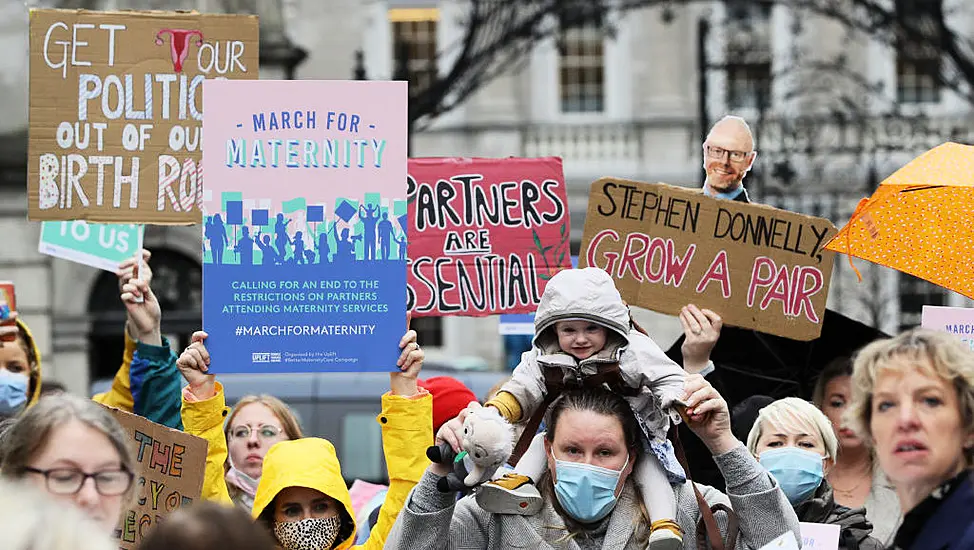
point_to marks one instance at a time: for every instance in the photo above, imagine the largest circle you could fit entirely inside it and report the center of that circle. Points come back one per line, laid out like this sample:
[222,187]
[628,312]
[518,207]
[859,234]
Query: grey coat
[434,520]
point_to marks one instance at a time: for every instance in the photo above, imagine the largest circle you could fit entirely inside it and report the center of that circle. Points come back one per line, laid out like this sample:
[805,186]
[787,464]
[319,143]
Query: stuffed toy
[488,441]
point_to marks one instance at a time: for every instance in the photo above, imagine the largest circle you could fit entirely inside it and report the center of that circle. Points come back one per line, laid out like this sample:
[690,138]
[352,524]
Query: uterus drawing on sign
[179,44]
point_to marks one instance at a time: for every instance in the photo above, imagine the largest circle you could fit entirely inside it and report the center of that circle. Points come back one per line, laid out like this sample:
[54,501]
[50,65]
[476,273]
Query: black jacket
[821,508]
[943,521]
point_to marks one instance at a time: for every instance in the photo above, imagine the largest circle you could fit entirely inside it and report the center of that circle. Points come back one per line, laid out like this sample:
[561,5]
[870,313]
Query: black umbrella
[750,362]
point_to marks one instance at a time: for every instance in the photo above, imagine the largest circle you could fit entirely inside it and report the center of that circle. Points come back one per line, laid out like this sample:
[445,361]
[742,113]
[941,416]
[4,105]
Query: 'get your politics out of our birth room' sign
[306,187]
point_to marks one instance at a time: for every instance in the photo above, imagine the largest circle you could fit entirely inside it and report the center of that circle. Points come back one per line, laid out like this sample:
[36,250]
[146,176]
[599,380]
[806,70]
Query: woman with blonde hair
[795,442]
[913,402]
[75,450]
[254,425]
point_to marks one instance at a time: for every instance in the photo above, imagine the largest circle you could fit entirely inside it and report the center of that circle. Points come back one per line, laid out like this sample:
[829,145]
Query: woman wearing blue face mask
[796,443]
[590,499]
[140,387]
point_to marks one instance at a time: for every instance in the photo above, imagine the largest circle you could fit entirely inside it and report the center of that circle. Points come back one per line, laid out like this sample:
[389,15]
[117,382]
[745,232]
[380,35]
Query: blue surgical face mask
[798,472]
[13,392]
[586,493]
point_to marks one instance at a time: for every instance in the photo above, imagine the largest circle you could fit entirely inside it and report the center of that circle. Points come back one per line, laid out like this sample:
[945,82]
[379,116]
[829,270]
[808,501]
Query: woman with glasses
[255,424]
[75,450]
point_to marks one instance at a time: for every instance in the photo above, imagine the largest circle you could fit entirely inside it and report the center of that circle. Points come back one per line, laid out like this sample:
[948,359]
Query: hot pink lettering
[803,297]
[657,249]
[757,279]
[593,246]
[718,271]
[779,291]
[676,268]
[629,256]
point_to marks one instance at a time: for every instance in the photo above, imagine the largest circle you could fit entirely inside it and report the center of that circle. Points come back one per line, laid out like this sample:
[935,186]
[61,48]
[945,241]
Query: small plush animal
[487,444]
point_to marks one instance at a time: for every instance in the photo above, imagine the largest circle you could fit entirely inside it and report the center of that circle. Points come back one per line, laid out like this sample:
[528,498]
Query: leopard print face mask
[308,534]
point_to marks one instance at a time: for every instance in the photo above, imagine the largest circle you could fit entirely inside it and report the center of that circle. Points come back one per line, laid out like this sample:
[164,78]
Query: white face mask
[308,534]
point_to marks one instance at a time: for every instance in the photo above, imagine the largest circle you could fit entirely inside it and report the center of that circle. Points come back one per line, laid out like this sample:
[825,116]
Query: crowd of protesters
[884,449]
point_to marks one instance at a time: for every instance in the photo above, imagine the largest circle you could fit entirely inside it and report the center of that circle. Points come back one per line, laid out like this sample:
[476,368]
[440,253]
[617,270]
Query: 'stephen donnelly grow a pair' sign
[758,267]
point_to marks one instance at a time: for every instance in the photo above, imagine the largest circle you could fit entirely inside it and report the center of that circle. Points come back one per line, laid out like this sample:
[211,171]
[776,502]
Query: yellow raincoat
[119,396]
[407,430]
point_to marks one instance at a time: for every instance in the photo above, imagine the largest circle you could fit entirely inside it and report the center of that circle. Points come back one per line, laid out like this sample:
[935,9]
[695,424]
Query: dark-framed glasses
[719,153]
[68,481]
[263,432]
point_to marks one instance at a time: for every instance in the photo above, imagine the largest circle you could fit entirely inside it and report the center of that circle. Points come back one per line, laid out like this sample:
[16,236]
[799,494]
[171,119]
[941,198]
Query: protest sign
[94,244]
[484,234]
[819,536]
[305,193]
[756,266]
[786,541]
[958,321]
[170,475]
[116,110]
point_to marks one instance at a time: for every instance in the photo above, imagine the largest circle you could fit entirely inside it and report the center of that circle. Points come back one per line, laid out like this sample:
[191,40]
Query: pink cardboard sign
[958,321]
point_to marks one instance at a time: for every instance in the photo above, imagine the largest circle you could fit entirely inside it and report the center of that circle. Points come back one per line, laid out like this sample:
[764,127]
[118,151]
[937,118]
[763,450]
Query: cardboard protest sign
[116,110]
[820,536]
[958,321]
[485,235]
[93,244]
[304,201]
[170,475]
[756,266]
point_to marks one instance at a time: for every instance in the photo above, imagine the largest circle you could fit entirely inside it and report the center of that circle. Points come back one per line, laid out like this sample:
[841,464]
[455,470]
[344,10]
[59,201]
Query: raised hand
[144,313]
[701,328]
[707,415]
[410,364]
[126,269]
[194,364]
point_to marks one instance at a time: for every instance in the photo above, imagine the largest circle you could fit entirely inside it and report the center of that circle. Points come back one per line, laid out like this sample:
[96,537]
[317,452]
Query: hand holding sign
[410,364]
[143,309]
[126,269]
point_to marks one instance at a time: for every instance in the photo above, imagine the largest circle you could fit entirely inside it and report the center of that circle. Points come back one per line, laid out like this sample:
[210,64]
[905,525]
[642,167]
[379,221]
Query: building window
[918,58]
[914,294]
[414,46]
[581,62]
[429,330]
[748,54]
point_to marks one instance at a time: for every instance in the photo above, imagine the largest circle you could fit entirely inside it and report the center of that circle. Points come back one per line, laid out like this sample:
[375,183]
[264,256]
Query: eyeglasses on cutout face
[68,481]
[719,153]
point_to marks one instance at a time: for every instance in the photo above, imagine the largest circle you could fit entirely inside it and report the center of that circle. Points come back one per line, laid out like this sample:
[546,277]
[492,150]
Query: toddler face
[580,339]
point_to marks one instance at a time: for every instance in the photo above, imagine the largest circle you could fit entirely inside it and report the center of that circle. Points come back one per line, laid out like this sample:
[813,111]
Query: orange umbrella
[920,221]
